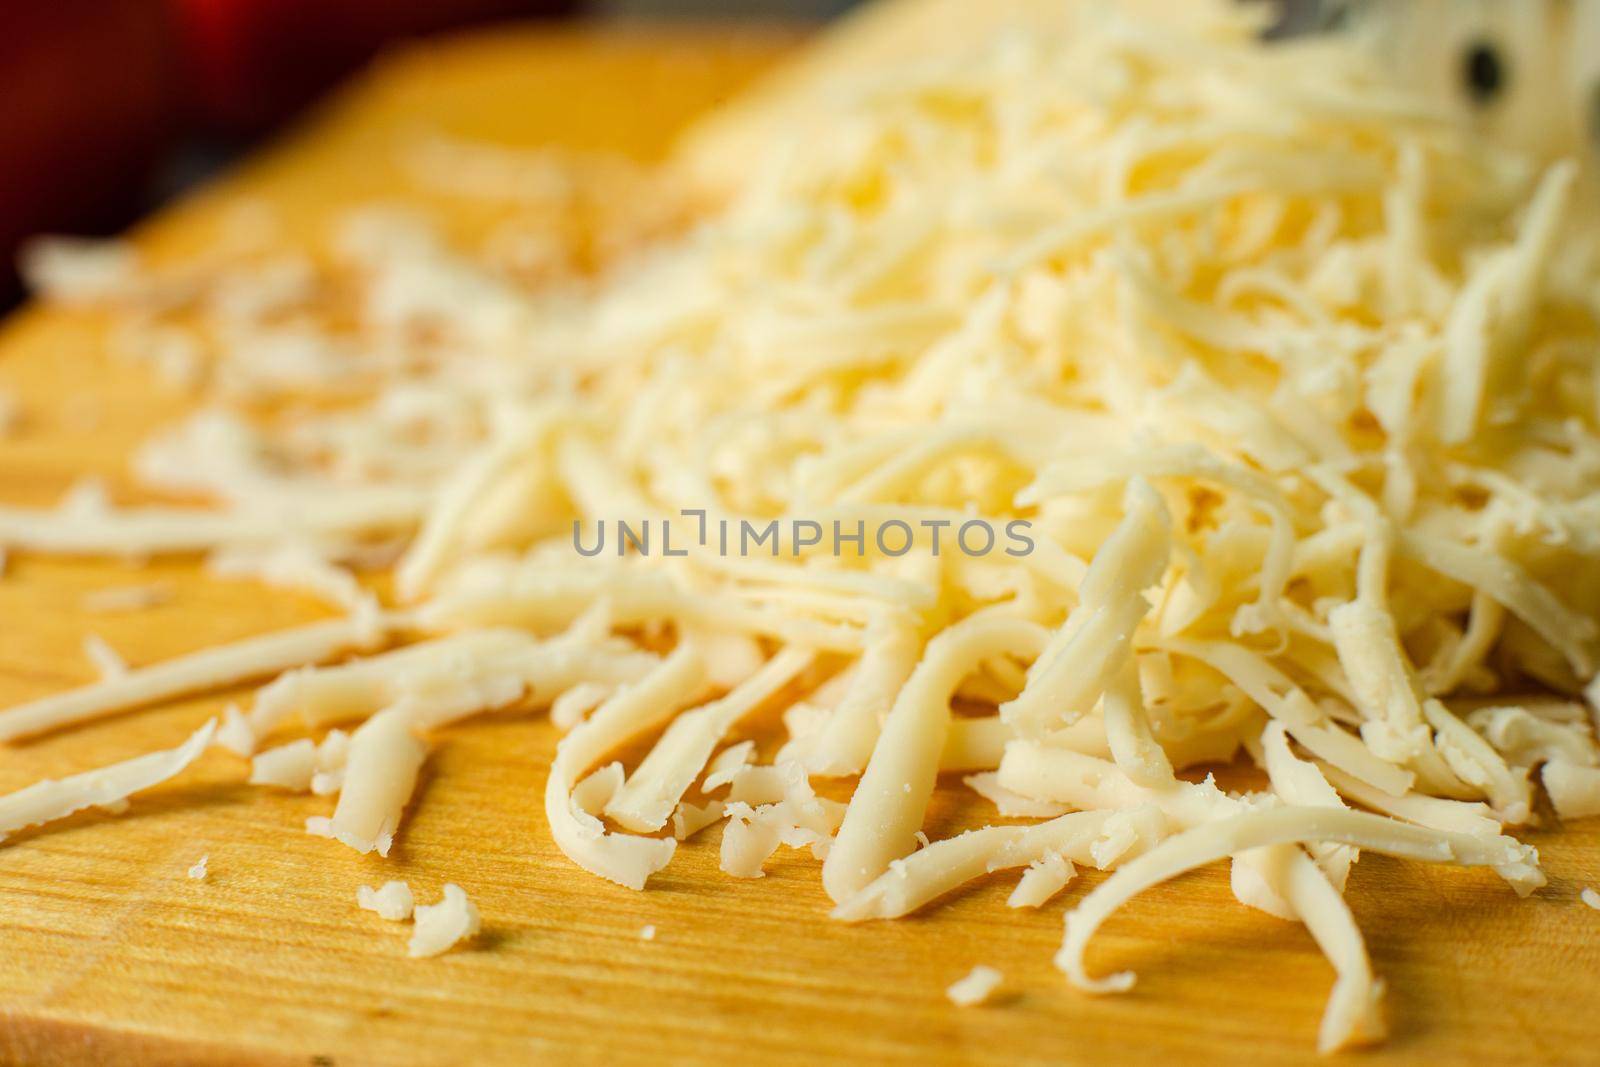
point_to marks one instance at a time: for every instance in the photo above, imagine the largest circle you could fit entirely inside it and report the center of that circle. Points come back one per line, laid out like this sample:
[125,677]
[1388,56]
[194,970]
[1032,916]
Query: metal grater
[1526,73]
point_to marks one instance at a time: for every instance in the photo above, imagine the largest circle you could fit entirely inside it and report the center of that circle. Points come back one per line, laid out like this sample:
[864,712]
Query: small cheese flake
[727,764]
[1591,898]
[440,926]
[746,845]
[333,750]
[332,753]
[1042,880]
[293,566]
[235,734]
[77,270]
[106,660]
[198,872]
[976,988]
[126,598]
[289,766]
[647,933]
[392,901]
[689,819]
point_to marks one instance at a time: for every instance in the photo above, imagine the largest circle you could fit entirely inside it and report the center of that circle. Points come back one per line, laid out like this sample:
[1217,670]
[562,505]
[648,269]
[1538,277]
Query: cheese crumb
[648,933]
[1041,881]
[1591,898]
[393,901]
[440,926]
[331,756]
[976,988]
[198,871]
[235,734]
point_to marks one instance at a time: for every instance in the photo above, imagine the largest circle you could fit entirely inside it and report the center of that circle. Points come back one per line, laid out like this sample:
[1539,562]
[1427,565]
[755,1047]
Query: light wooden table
[109,954]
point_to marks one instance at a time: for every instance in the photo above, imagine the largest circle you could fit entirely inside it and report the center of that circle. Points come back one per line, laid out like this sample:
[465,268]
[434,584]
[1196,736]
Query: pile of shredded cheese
[1293,383]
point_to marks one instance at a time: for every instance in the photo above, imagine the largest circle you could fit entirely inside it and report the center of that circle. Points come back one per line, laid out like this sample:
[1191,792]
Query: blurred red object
[253,61]
[92,95]
[98,91]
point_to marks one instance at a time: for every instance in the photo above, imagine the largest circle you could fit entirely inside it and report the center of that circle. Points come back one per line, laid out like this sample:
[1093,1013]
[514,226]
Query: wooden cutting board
[109,954]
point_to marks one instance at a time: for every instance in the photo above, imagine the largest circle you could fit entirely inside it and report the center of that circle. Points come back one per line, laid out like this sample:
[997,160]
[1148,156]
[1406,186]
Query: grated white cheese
[569,709]
[288,766]
[75,270]
[392,901]
[293,566]
[1574,789]
[690,819]
[107,662]
[195,672]
[106,787]
[439,927]
[889,803]
[727,765]
[1286,382]
[235,734]
[634,709]
[198,872]
[1042,880]
[126,598]
[379,775]
[1009,804]
[773,806]
[944,865]
[650,795]
[977,987]
[332,753]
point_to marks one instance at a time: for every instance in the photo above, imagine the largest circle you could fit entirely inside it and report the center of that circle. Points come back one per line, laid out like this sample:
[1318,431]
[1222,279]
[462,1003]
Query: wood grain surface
[109,954]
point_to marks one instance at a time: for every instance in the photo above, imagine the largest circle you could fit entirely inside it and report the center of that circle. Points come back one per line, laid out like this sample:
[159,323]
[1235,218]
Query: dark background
[109,107]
